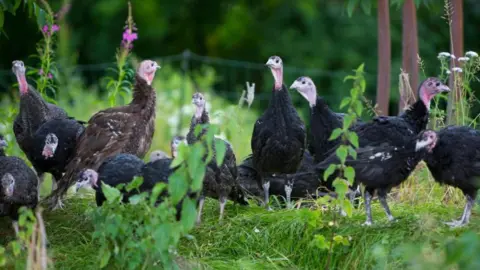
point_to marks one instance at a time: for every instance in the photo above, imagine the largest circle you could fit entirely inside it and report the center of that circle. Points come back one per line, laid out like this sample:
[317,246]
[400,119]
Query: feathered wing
[107,134]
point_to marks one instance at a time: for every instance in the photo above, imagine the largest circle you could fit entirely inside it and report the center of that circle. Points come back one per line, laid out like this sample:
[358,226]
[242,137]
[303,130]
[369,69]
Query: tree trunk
[409,52]
[456,43]
[384,54]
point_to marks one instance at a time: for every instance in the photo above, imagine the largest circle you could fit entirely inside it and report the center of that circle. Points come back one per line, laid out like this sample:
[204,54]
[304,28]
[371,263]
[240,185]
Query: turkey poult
[392,129]
[322,119]
[119,169]
[455,161]
[125,129]
[278,139]
[18,186]
[53,146]
[380,168]
[220,182]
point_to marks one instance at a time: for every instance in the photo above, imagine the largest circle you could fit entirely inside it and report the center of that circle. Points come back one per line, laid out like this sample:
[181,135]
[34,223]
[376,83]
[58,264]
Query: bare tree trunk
[384,55]
[456,43]
[409,51]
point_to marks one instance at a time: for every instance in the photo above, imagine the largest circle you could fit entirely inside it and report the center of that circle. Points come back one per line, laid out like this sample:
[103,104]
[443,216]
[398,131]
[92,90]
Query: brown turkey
[124,129]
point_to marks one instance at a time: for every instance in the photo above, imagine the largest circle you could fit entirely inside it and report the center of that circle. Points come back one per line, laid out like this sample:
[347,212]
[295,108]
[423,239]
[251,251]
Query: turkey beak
[443,88]
[294,85]
[269,63]
[3,143]
[157,66]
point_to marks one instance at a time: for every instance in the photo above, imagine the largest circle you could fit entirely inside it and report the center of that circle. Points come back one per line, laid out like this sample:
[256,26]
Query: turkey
[124,129]
[322,119]
[53,146]
[32,113]
[18,187]
[278,139]
[455,161]
[220,182]
[382,167]
[392,129]
[115,170]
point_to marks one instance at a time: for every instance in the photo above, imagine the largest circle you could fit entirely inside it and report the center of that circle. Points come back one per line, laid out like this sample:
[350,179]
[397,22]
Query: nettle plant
[463,75]
[144,233]
[348,146]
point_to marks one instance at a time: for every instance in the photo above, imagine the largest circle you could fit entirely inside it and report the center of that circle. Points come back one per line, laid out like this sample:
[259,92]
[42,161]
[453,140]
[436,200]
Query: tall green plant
[349,143]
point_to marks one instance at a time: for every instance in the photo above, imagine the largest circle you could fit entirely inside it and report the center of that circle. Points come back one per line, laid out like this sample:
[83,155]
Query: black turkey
[220,182]
[18,187]
[322,119]
[392,129]
[382,167]
[53,146]
[278,139]
[115,170]
[455,161]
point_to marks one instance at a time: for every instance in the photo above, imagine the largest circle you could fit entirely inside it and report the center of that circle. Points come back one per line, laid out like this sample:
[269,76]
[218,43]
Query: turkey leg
[465,219]
[368,207]
[288,189]
[382,197]
[201,201]
[222,201]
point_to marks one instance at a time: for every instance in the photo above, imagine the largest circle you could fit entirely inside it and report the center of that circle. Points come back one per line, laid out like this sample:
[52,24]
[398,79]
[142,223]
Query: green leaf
[112,194]
[338,239]
[360,68]
[352,152]
[189,213]
[351,6]
[220,149]
[347,121]
[177,186]
[341,153]
[135,184]
[349,173]
[105,257]
[345,102]
[156,191]
[136,199]
[320,242]
[16,248]
[195,158]
[341,187]
[335,134]
[197,178]
[41,16]
[349,77]
[329,171]
[358,108]
[347,206]
[352,138]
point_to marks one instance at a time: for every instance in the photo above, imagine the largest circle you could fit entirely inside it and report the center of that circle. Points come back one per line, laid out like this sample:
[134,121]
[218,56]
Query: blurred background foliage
[318,38]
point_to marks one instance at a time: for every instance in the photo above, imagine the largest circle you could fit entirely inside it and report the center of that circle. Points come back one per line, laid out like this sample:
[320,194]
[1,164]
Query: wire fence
[230,73]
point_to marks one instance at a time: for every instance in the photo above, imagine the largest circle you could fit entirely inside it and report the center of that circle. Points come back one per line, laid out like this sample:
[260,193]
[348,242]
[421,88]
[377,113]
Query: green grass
[250,237]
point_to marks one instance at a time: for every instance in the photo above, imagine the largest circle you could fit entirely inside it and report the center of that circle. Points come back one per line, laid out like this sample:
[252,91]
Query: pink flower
[55,28]
[40,72]
[50,75]
[129,36]
[45,28]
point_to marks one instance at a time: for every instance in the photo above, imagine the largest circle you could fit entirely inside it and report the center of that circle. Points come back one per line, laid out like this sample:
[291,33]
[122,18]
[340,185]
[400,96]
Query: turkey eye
[276,61]
[438,84]
[303,82]
[152,65]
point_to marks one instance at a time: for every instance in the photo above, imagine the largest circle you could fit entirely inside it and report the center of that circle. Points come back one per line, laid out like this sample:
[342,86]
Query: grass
[250,237]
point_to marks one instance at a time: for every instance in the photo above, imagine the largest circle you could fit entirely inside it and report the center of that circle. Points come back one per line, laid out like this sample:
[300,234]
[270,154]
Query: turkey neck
[282,108]
[416,116]
[33,110]
[144,96]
